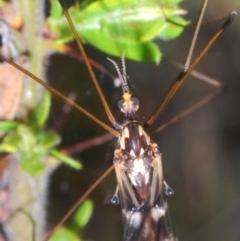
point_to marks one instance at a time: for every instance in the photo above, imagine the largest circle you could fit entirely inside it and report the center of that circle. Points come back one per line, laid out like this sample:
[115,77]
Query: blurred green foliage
[127,26]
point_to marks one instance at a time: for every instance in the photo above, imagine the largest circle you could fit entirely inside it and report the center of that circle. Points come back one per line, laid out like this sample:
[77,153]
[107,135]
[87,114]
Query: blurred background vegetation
[200,153]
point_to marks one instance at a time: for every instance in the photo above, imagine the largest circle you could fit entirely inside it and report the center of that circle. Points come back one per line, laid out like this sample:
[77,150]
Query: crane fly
[142,190]
[138,168]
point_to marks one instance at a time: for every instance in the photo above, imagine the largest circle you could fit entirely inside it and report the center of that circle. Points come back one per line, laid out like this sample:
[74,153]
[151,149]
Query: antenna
[122,75]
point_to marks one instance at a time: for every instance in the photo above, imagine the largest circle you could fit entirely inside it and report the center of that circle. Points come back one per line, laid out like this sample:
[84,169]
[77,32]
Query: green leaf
[66,159]
[55,9]
[122,26]
[27,138]
[64,234]
[33,147]
[40,115]
[8,148]
[172,31]
[136,51]
[7,126]
[31,163]
[82,216]
[46,140]
[11,142]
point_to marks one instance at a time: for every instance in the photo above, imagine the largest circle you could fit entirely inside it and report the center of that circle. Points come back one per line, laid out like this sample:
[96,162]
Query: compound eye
[129,105]
[120,104]
[135,101]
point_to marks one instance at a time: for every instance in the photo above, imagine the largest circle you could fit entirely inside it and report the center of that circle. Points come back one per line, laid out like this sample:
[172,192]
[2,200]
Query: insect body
[138,167]
[141,188]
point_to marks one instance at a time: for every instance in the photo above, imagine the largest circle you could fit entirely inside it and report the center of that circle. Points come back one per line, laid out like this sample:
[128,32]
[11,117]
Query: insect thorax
[135,153]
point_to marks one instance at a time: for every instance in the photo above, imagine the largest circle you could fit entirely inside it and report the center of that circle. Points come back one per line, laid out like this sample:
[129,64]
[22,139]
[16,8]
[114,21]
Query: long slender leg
[103,100]
[76,205]
[186,71]
[216,88]
[57,93]
[212,82]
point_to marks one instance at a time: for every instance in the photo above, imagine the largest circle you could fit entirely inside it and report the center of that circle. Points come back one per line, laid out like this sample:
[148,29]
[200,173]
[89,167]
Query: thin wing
[148,220]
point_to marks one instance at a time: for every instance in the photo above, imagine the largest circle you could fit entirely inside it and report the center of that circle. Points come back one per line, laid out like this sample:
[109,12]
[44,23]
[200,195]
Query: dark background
[201,154]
